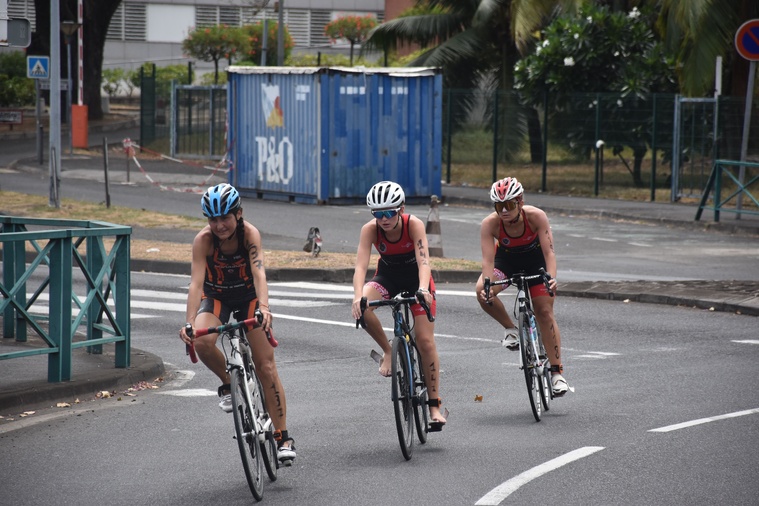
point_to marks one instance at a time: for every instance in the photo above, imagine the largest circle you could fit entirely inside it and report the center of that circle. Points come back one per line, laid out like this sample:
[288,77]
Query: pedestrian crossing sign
[38,67]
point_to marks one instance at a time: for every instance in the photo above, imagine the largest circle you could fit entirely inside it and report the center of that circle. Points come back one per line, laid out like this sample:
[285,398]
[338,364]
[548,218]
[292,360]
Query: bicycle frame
[531,348]
[408,388]
[239,347]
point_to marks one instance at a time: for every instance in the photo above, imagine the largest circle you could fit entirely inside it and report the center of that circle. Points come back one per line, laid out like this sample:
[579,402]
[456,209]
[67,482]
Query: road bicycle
[533,359]
[408,390]
[253,426]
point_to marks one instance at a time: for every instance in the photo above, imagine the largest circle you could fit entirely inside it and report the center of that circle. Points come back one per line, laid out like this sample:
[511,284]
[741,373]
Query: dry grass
[18,204]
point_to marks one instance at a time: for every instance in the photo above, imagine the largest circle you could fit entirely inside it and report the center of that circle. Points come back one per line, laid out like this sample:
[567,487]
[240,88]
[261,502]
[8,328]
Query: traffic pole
[434,238]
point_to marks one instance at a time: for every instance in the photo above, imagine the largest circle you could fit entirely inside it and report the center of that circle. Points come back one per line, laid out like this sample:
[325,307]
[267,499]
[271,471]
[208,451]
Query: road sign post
[747,45]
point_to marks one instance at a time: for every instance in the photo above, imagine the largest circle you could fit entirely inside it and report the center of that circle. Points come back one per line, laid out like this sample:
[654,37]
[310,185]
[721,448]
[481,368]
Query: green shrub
[16,90]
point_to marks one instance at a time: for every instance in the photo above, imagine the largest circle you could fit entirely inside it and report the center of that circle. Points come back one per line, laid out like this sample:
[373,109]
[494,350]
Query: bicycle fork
[235,361]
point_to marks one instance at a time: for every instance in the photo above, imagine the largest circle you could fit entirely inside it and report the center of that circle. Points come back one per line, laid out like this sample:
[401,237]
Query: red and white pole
[80,59]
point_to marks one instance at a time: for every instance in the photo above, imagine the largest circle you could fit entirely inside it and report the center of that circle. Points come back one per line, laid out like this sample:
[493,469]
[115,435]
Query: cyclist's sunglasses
[389,213]
[509,205]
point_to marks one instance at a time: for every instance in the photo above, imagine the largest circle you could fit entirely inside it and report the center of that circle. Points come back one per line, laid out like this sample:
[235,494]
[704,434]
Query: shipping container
[327,134]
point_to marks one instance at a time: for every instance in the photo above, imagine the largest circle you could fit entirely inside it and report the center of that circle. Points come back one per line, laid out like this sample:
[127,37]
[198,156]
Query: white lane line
[502,491]
[677,426]
[345,288]
[189,392]
[746,341]
[640,244]
[604,239]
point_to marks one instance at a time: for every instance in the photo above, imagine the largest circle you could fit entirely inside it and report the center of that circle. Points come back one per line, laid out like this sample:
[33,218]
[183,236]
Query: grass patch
[21,205]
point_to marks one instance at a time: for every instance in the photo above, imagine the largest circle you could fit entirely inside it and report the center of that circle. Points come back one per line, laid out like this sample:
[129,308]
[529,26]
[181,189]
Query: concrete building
[153,30]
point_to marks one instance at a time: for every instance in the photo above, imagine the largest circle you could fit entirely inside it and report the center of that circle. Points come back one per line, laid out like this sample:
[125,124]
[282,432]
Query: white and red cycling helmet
[506,189]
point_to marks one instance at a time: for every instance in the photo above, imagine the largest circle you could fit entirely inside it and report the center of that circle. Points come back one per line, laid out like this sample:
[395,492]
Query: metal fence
[56,249]
[198,121]
[597,144]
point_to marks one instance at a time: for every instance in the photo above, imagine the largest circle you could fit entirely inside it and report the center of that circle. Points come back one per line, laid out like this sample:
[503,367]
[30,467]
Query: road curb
[90,374]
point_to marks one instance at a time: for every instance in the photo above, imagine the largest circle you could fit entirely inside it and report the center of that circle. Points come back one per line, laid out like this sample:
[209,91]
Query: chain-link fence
[597,144]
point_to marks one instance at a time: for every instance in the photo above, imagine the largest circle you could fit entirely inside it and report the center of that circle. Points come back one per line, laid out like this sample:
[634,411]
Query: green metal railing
[55,252]
[723,177]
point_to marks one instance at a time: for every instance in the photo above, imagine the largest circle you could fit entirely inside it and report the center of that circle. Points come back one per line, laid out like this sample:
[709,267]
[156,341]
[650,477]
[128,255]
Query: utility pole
[55,103]
[281,34]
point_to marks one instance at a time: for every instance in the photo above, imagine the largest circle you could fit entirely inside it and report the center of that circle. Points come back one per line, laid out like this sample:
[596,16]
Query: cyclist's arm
[418,234]
[256,259]
[487,246]
[539,223]
[200,246]
[363,255]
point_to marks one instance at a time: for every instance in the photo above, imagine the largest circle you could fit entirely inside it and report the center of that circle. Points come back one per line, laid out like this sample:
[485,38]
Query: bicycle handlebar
[398,300]
[254,322]
[546,277]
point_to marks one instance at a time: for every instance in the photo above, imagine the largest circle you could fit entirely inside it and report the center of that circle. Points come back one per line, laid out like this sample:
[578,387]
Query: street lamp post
[69,29]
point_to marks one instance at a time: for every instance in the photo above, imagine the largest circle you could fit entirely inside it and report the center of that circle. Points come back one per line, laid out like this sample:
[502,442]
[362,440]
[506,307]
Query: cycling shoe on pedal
[511,341]
[226,398]
[286,454]
[559,384]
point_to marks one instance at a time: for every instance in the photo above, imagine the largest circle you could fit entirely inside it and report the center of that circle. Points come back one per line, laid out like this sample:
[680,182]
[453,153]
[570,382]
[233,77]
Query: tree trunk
[535,134]
[638,154]
[97,17]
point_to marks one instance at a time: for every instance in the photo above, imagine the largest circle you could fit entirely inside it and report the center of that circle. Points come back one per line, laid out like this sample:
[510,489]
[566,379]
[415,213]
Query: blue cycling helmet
[220,200]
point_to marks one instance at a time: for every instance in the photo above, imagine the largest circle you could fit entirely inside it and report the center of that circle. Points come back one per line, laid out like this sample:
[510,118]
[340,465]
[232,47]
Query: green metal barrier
[104,273]
[733,203]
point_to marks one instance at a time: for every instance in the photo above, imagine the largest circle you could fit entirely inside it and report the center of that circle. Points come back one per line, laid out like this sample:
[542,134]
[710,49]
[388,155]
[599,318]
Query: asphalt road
[587,248]
[638,370]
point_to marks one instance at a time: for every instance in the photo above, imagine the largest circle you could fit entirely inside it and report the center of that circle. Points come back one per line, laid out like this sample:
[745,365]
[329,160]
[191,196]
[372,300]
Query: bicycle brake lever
[190,348]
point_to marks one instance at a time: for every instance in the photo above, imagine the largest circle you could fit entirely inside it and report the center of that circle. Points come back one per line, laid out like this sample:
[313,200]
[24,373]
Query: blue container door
[350,161]
[410,133]
[381,127]
[274,134]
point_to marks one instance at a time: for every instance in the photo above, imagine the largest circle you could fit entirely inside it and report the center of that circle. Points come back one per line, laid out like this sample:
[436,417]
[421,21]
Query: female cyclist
[401,241]
[228,276]
[517,238]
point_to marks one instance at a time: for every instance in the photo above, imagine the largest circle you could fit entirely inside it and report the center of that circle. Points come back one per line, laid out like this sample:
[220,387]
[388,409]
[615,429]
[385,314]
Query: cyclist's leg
[375,291]
[424,331]
[496,309]
[212,313]
[274,392]
[549,330]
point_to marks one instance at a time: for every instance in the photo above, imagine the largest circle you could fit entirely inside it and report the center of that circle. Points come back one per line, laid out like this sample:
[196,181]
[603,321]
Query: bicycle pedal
[376,357]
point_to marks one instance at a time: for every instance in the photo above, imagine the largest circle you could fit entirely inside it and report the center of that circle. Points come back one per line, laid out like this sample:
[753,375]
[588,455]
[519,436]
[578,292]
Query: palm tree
[477,43]
[697,32]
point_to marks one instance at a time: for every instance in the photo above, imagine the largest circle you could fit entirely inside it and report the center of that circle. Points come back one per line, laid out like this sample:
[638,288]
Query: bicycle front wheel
[266,440]
[401,395]
[529,361]
[245,431]
[421,398]
[546,394]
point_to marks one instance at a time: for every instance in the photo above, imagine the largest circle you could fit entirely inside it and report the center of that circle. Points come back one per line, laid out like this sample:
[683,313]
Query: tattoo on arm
[422,252]
[253,255]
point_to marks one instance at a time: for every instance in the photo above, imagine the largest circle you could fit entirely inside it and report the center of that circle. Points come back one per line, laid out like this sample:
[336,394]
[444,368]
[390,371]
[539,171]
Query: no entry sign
[747,40]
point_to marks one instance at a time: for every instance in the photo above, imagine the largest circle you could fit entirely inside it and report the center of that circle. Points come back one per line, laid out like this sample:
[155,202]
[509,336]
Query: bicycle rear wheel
[401,395]
[247,441]
[421,397]
[528,364]
[268,444]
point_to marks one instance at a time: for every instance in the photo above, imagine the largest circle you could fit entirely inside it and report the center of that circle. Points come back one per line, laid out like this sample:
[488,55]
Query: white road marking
[604,239]
[189,392]
[502,491]
[596,354]
[746,341]
[640,244]
[677,426]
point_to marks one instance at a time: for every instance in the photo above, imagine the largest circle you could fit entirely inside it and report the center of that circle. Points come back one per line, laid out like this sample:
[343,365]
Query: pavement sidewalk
[23,383]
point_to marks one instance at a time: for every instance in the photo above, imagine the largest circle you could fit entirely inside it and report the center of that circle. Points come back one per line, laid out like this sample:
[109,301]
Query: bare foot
[436,416]
[385,368]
